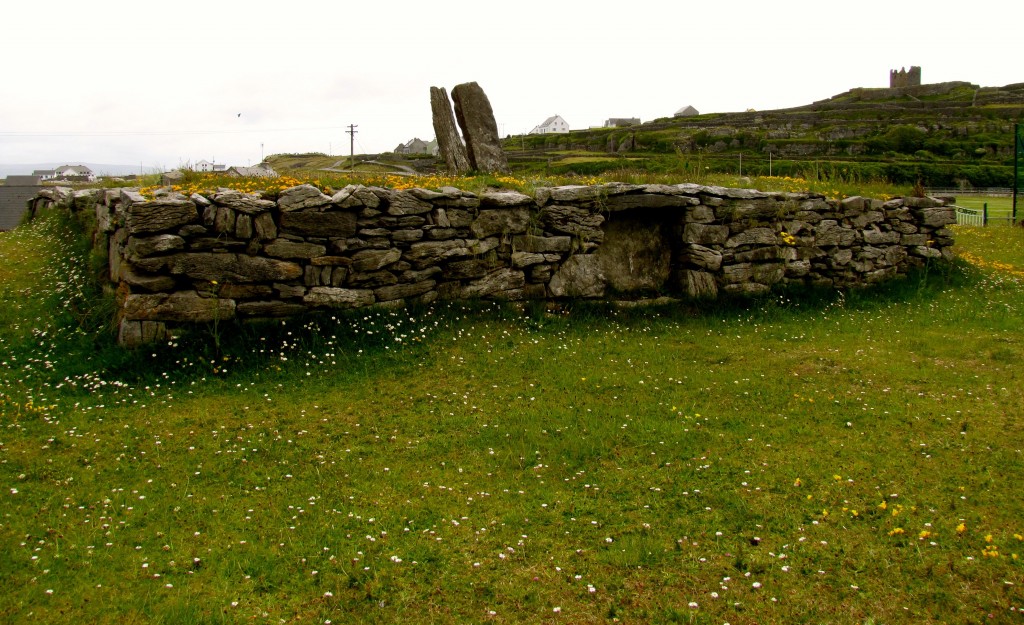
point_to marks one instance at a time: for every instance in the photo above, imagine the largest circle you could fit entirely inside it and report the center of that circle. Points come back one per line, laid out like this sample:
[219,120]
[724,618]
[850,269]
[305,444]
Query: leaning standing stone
[448,142]
[476,118]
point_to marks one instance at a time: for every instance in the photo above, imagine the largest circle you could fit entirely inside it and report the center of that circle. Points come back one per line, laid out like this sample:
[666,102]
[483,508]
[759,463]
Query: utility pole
[352,145]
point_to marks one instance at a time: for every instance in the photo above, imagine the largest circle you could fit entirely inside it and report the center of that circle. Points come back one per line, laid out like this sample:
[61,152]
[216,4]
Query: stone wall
[179,260]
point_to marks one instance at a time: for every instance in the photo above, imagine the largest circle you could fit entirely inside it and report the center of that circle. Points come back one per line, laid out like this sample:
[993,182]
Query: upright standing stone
[448,142]
[476,118]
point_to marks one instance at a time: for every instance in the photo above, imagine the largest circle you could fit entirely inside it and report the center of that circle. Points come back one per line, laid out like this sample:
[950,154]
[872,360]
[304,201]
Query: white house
[45,174]
[205,165]
[552,124]
[74,172]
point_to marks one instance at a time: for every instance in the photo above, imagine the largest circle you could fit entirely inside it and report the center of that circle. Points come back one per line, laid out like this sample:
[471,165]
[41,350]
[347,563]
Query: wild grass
[821,457]
[999,247]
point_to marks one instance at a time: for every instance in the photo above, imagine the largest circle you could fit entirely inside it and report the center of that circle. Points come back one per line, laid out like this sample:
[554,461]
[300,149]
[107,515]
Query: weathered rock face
[579,276]
[636,256]
[158,215]
[302,197]
[180,261]
[449,145]
[476,118]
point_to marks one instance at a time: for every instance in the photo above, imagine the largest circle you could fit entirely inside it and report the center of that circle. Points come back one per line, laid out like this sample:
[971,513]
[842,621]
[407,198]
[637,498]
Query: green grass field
[995,203]
[805,458]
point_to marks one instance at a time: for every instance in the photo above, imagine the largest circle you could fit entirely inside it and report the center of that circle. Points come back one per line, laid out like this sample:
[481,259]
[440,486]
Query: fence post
[984,214]
[1018,149]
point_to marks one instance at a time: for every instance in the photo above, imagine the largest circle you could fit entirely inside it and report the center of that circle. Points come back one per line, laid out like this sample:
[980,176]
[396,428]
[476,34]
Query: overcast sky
[159,85]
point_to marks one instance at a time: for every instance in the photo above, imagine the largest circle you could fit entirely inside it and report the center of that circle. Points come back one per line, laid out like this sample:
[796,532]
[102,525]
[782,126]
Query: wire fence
[990,191]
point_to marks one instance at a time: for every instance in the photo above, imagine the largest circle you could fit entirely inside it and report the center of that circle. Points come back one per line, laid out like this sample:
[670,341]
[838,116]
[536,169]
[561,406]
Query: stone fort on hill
[904,78]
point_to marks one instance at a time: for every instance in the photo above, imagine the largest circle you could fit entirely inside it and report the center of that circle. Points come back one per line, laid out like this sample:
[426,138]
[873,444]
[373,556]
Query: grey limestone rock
[476,118]
[509,221]
[233,267]
[425,253]
[403,291]
[579,276]
[574,221]
[248,203]
[302,197]
[703,257]
[334,297]
[283,248]
[372,260]
[271,308]
[936,217]
[141,247]
[449,145]
[543,245]
[505,199]
[705,234]
[133,333]
[158,215]
[341,224]
[495,283]
[635,256]
[178,306]
[699,284]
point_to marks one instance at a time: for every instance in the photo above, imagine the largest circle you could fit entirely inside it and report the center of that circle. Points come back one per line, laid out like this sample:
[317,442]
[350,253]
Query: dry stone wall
[179,260]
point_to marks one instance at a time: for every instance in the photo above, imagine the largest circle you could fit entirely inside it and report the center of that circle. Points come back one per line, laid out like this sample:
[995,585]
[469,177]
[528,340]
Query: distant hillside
[314,164]
[942,135]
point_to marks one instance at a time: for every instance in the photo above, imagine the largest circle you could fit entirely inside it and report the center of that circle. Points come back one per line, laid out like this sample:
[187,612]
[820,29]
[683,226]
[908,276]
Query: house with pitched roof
[686,111]
[619,122]
[553,124]
[261,170]
[205,165]
[74,172]
[417,146]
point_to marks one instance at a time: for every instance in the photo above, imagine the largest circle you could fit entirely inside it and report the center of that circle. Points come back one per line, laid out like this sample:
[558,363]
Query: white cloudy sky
[161,84]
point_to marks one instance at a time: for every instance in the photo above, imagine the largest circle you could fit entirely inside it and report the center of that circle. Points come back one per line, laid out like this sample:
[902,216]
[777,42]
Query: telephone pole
[352,145]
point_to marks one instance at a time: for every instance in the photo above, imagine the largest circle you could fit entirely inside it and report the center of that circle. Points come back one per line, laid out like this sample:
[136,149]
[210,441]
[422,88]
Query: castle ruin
[903,78]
